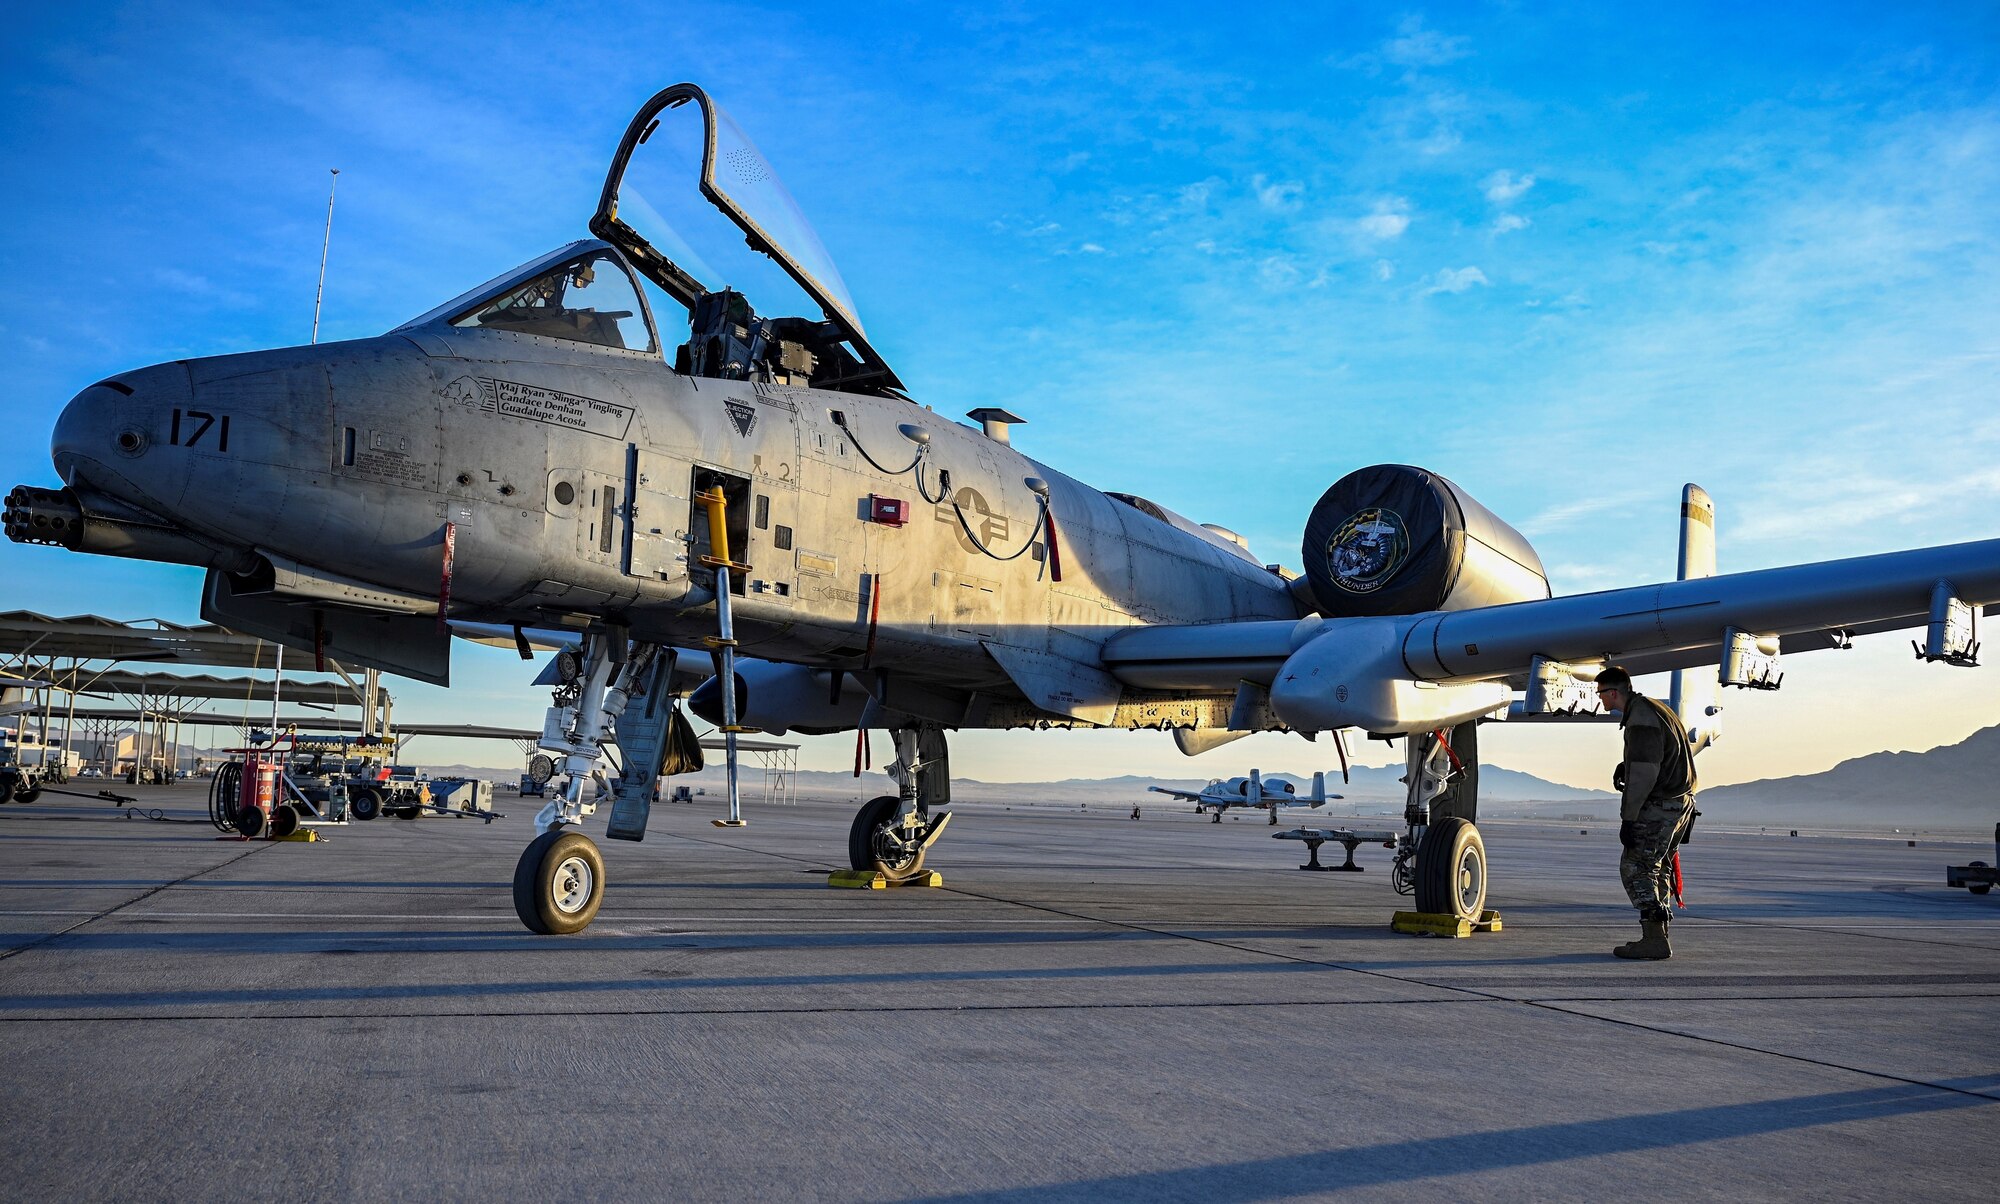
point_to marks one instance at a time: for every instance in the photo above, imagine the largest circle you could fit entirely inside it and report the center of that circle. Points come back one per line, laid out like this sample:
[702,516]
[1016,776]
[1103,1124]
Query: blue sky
[1570,256]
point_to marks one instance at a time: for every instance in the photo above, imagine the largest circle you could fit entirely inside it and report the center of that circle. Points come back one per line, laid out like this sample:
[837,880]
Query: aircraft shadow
[1429,1158]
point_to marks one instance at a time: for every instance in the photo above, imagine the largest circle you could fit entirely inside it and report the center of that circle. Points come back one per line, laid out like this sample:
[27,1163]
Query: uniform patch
[1367,550]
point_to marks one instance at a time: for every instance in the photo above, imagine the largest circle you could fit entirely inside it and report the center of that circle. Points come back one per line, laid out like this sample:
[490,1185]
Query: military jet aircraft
[1255,791]
[540,452]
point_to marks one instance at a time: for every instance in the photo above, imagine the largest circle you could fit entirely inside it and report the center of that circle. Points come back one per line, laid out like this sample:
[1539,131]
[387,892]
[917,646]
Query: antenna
[326,242]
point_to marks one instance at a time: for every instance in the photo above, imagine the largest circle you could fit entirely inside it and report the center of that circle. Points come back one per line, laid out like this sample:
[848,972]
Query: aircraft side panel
[574,470]
[521,436]
[943,582]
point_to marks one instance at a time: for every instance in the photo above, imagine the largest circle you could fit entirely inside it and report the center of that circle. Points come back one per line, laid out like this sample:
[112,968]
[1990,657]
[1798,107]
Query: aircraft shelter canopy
[38,637]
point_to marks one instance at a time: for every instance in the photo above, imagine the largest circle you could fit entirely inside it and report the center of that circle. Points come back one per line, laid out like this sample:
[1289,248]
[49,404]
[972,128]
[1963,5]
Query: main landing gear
[1441,858]
[891,833]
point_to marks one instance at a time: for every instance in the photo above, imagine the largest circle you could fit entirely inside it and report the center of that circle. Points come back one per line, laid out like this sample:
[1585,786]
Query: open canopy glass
[642,211]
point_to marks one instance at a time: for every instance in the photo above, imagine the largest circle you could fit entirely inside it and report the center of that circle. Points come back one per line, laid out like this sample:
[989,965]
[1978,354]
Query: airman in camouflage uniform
[1656,784]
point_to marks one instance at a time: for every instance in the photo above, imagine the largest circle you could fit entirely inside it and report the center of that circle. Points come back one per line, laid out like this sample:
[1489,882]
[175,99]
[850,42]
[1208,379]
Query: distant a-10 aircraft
[1254,792]
[535,453]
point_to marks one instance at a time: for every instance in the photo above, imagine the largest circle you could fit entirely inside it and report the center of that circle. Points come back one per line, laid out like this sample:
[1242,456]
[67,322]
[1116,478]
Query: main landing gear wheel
[559,883]
[874,843]
[1451,870]
[364,802]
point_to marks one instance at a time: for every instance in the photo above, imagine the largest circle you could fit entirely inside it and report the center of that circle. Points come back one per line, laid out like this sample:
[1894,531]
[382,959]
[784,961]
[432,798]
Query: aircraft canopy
[650,176]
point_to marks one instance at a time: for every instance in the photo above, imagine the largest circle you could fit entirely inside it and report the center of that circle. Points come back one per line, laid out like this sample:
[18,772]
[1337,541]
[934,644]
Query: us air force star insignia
[742,415]
[1367,550]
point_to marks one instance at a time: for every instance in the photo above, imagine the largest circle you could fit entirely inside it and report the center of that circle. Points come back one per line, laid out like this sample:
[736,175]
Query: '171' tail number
[189,432]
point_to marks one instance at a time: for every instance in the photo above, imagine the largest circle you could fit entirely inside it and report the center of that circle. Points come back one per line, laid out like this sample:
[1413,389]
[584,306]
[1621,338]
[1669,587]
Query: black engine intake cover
[1392,539]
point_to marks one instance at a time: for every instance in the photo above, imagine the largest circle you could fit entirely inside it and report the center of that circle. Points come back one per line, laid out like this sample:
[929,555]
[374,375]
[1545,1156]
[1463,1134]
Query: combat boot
[1652,947]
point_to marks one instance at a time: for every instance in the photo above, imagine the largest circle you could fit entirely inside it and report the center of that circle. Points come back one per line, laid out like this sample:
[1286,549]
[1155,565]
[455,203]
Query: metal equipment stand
[1978,877]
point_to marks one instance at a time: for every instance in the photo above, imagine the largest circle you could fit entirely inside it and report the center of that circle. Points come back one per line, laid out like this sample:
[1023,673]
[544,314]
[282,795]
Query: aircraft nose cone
[108,434]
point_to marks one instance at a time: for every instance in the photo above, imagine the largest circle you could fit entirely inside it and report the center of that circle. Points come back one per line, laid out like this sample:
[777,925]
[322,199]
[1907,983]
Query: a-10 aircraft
[540,452]
[1254,792]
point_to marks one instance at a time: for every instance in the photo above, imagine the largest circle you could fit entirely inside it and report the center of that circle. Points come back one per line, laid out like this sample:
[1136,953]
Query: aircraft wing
[1193,796]
[1405,673]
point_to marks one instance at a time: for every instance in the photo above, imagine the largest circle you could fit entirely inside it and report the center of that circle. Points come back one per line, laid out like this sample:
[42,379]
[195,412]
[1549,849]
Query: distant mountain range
[1956,785]
[1953,787]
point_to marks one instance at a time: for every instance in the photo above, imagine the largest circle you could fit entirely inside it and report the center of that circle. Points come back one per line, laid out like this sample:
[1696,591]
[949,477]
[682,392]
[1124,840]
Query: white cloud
[1387,220]
[1282,195]
[1195,195]
[1384,269]
[1416,46]
[1504,186]
[1442,140]
[1091,248]
[1455,280]
[1278,272]
[1509,222]
[1565,514]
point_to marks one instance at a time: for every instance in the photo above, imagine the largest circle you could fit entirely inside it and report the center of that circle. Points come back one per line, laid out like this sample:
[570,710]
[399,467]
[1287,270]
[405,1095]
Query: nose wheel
[559,883]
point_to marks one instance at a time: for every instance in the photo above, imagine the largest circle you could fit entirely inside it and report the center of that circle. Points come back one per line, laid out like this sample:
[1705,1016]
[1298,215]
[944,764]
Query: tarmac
[1090,1007]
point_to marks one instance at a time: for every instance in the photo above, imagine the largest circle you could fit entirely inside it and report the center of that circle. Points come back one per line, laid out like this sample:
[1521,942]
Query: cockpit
[586,293]
[589,299]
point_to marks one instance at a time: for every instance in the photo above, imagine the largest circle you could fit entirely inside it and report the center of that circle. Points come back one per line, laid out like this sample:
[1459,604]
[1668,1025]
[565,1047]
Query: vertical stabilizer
[1319,787]
[1256,794]
[1693,693]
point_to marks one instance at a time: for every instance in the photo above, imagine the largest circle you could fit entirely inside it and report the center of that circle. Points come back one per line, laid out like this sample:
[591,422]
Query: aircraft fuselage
[566,473]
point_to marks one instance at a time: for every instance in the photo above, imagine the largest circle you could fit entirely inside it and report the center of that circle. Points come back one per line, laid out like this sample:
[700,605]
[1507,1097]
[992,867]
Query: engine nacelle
[778,698]
[1397,540]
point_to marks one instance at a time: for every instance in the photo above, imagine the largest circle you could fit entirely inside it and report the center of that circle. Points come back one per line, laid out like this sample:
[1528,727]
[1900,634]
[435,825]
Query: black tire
[1451,870]
[863,852]
[250,822]
[558,883]
[27,792]
[9,783]
[364,803]
[1979,888]
[284,822]
[405,812]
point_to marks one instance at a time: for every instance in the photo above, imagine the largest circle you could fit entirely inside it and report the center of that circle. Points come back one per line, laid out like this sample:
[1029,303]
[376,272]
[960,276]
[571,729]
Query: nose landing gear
[559,883]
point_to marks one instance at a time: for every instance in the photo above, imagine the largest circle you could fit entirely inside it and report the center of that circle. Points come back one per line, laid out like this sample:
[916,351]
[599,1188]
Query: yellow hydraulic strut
[717,505]
[724,641]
